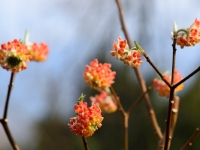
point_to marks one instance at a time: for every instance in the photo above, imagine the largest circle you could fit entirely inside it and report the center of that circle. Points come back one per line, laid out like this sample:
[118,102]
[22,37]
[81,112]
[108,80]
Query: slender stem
[175,113]
[155,68]
[117,100]
[173,59]
[192,138]
[4,121]
[85,143]
[126,117]
[138,100]
[149,107]
[126,114]
[174,116]
[173,122]
[9,135]
[124,28]
[187,77]
[168,135]
[161,143]
[8,95]
[140,78]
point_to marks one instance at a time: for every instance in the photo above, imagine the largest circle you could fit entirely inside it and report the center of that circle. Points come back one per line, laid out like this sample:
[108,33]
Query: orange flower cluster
[99,76]
[14,55]
[128,56]
[87,121]
[190,38]
[39,52]
[163,89]
[105,102]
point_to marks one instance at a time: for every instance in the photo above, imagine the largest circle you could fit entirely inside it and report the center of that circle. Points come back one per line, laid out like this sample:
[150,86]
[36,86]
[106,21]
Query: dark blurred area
[52,131]
[55,134]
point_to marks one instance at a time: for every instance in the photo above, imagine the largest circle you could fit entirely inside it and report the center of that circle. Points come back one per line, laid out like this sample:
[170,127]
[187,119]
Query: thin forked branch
[187,77]
[192,138]
[4,121]
[138,100]
[140,78]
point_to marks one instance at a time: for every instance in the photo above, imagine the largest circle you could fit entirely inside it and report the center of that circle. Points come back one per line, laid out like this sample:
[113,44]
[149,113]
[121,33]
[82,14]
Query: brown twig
[125,117]
[9,135]
[122,20]
[117,100]
[85,143]
[173,59]
[126,114]
[140,78]
[161,143]
[168,135]
[8,95]
[187,77]
[4,121]
[138,100]
[192,138]
[174,116]
[156,69]
[175,110]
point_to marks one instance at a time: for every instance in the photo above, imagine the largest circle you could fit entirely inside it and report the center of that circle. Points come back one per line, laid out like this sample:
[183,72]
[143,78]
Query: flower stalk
[151,112]
[85,143]
[191,139]
[4,121]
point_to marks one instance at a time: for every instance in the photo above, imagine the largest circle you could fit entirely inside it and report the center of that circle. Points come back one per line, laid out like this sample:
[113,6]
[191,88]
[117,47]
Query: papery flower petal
[99,76]
[105,102]
[39,52]
[189,36]
[14,55]
[122,52]
[87,121]
[162,88]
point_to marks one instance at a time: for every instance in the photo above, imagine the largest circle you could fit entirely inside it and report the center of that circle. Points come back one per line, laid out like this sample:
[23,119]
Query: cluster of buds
[87,121]
[162,88]
[121,51]
[14,55]
[39,52]
[189,36]
[99,76]
[105,102]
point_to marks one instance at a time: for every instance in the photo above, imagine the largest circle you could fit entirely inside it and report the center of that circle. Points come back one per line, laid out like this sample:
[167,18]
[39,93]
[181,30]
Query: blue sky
[66,26]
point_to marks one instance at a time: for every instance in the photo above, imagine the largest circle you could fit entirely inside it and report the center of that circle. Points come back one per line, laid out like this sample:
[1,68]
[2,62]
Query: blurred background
[77,32]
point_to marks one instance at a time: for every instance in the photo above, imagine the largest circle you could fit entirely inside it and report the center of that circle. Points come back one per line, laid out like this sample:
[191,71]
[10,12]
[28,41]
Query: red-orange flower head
[105,102]
[39,52]
[129,56]
[189,36]
[14,55]
[87,121]
[162,88]
[99,76]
